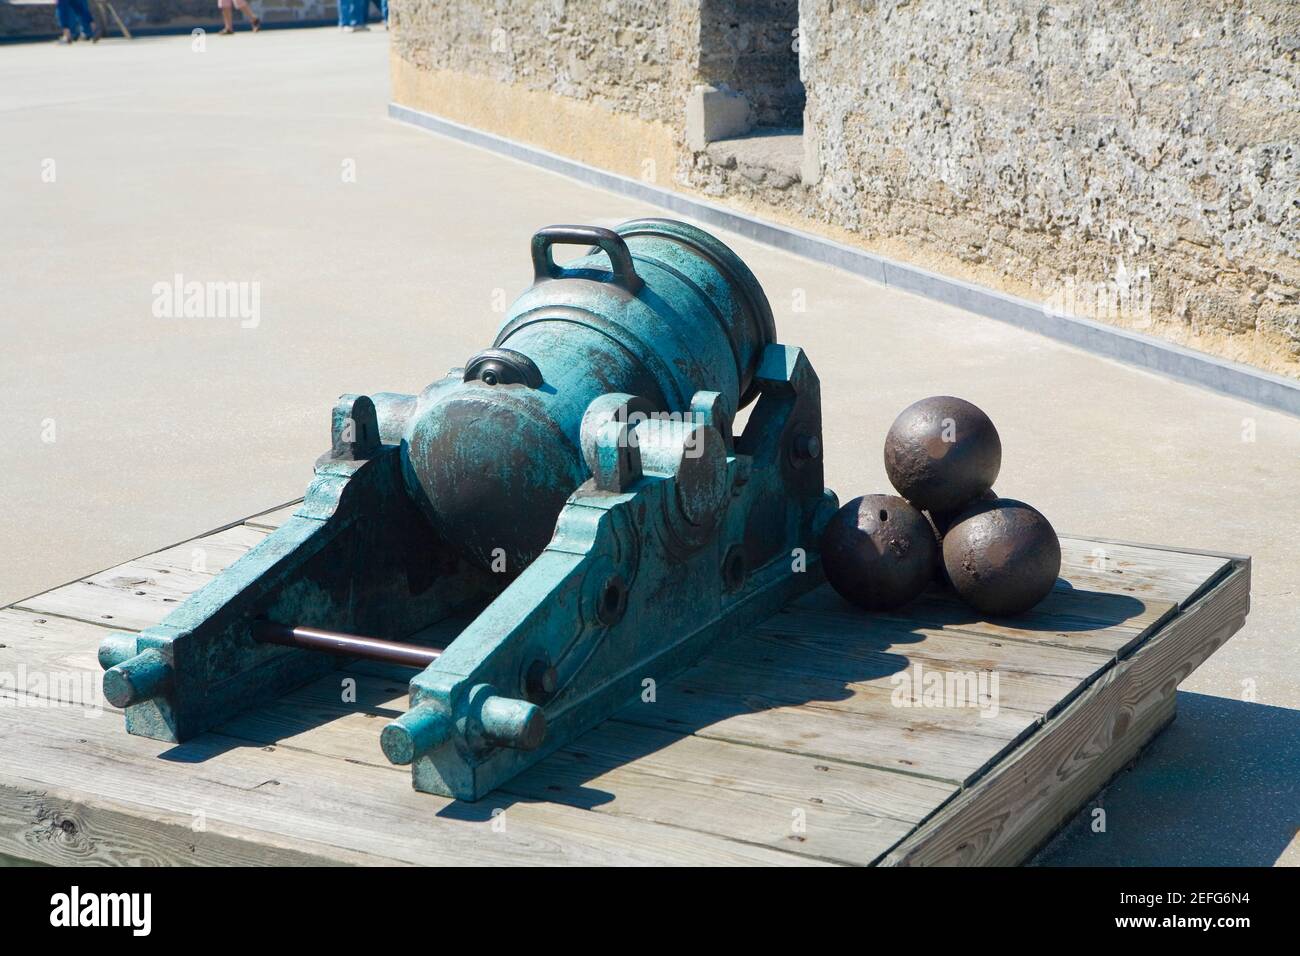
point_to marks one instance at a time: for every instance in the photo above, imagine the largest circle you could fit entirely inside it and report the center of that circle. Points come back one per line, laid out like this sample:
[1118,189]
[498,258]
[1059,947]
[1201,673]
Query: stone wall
[612,55]
[750,46]
[1060,148]
[1138,166]
[593,80]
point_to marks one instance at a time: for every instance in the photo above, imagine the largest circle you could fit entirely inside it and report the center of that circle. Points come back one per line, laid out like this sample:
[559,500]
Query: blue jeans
[353,13]
[74,16]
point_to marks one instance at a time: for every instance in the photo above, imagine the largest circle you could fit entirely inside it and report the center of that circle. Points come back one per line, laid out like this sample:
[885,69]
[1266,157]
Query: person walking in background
[228,15]
[74,17]
[352,15]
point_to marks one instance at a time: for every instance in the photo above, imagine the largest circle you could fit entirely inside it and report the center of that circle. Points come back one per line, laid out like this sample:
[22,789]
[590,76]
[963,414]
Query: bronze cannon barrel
[656,309]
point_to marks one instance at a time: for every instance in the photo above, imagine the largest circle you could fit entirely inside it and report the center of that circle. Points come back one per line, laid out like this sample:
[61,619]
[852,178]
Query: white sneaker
[348,29]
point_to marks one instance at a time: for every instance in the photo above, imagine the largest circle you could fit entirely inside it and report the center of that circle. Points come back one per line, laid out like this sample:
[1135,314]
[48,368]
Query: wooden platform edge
[48,825]
[1008,814]
[175,544]
[1229,555]
[1112,717]
[1235,561]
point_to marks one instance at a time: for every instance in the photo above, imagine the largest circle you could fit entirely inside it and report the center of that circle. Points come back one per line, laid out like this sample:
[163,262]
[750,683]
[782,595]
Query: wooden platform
[789,746]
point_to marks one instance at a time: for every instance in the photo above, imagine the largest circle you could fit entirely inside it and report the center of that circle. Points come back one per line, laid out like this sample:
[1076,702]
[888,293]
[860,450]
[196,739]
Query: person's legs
[83,19]
[96,27]
[66,20]
[249,15]
[227,16]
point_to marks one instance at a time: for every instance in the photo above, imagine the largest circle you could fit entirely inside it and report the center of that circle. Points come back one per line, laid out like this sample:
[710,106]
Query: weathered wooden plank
[944,744]
[827,720]
[1003,817]
[835,833]
[293,795]
[128,597]
[819,808]
[890,697]
[50,658]
[1098,622]
[1234,559]
[66,828]
[868,652]
[820,642]
[787,777]
[280,721]
[35,640]
[270,520]
[683,784]
[1163,574]
[799,723]
[140,593]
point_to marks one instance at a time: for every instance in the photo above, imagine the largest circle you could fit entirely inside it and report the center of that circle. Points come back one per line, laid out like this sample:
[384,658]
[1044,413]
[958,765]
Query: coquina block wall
[1072,147]
[590,80]
[1134,164]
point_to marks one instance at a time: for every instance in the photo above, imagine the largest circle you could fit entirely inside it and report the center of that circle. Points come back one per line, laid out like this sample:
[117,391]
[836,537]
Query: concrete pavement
[378,256]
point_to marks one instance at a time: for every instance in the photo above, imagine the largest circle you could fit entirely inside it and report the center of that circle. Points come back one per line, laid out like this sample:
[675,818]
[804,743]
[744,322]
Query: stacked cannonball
[942,455]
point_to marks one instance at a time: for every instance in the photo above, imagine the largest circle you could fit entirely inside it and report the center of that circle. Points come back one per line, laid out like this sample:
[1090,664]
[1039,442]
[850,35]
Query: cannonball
[943,520]
[879,552]
[1002,556]
[940,576]
[941,452]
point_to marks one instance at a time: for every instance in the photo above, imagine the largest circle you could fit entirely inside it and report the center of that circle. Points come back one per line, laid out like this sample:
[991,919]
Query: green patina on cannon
[575,495]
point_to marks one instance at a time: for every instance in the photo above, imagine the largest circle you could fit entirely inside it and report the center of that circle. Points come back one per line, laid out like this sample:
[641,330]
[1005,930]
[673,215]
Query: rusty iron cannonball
[940,522]
[1002,556]
[879,552]
[943,520]
[941,452]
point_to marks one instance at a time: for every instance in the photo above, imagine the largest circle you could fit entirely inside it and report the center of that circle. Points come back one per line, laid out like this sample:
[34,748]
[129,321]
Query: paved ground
[379,254]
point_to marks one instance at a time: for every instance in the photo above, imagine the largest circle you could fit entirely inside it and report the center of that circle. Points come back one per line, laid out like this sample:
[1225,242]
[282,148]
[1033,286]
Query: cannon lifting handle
[608,240]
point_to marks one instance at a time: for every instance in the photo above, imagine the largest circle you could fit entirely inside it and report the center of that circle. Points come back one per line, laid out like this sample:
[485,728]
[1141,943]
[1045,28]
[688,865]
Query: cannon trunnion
[575,494]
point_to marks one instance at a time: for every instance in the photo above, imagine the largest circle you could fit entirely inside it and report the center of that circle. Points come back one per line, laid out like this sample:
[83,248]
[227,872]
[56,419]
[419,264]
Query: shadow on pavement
[1220,787]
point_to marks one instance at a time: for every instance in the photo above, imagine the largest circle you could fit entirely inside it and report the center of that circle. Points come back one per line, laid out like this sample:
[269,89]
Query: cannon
[571,515]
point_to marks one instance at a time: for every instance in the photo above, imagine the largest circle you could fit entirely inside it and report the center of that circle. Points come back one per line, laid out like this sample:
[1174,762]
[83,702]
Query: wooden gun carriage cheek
[574,494]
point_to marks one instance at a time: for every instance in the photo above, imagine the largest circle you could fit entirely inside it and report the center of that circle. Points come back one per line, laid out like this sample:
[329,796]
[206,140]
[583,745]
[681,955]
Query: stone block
[713,114]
